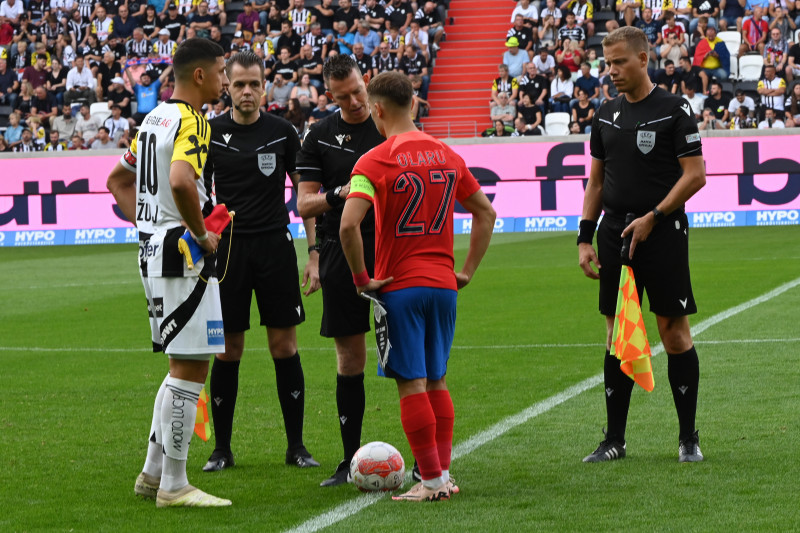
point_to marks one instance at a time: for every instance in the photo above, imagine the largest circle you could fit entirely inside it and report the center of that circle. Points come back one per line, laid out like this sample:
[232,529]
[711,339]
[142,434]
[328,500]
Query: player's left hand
[375,284]
[311,274]
[641,228]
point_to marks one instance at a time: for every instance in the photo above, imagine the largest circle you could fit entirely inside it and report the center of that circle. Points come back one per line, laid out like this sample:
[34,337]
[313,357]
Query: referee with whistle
[647,160]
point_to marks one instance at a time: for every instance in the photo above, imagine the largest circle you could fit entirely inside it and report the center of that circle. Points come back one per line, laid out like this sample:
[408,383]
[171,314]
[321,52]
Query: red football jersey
[412,181]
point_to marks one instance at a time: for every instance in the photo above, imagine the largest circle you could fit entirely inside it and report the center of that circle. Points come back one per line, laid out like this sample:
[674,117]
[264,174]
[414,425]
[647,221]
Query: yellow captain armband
[362,186]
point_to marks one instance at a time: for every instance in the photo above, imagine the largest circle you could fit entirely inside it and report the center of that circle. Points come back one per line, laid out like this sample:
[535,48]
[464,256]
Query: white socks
[152,465]
[178,413]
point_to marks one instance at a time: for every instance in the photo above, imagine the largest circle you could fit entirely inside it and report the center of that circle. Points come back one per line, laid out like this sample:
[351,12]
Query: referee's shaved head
[392,89]
[633,37]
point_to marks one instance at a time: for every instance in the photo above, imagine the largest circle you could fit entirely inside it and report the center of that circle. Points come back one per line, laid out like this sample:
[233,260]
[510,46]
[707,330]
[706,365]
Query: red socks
[442,406]
[419,424]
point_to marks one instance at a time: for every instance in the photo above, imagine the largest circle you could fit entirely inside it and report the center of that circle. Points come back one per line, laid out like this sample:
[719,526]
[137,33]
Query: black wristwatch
[658,216]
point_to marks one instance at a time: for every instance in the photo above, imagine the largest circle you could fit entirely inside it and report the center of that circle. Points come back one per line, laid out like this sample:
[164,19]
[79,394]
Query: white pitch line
[351,507]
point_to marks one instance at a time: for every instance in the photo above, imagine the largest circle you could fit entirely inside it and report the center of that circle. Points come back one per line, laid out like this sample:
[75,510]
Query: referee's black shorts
[660,265]
[344,312]
[264,263]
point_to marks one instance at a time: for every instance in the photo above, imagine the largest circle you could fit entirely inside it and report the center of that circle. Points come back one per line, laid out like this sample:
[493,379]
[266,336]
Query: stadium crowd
[737,62]
[80,74]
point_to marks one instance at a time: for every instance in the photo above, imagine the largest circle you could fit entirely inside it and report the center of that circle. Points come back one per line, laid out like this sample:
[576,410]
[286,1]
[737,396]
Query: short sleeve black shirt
[286,70]
[413,65]
[330,151]
[364,63]
[524,36]
[247,164]
[640,145]
[718,106]
[349,18]
[533,87]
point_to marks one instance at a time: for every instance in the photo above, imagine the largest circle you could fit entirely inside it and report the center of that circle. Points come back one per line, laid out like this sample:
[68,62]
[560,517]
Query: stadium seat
[100,110]
[734,67]
[797,35]
[557,123]
[731,38]
[750,67]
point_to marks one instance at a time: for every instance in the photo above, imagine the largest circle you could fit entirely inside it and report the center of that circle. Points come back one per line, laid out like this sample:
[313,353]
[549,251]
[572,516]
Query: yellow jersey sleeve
[191,143]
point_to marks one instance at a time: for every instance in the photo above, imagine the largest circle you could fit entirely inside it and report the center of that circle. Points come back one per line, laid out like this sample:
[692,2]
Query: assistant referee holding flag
[646,160]
[250,154]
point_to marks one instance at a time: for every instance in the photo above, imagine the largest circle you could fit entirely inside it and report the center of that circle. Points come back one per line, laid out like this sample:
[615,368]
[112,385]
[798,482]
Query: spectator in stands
[695,100]
[248,21]
[504,110]
[792,107]
[118,127]
[14,129]
[589,84]
[23,103]
[521,129]
[107,71]
[55,144]
[431,22]
[420,107]
[534,85]
[717,102]
[396,41]
[668,78]
[44,105]
[561,90]
[343,39]
[80,83]
[584,14]
[87,125]
[772,89]
[57,81]
[203,20]
[754,33]
[11,12]
[295,115]
[583,111]
[92,52]
[368,37]
[278,95]
[731,14]
[217,9]
[289,39]
[64,123]
[321,111]
[37,73]
[363,61]
[672,27]
[399,14]
[20,56]
[569,56]
[499,129]
[709,121]
[384,60]
[76,143]
[740,99]
[414,63]
[699,31]
[375,16]
[571,31]
[149,22]
[530,113]
[528,12]
[8,84]
[784,23]
[545,64]
[671,48]
[609,89]
[305,93]
[323,14]
[692,76]
[119,95]
[124,24]
[776,52]
[103,141]
[415,36]
[504,83]
[523,34]
[102,25]
[35,125]
[709,8]
[348,14]
[551,21]
[742,120]
[652,29]
[771,120]
[712,55]
[628,11]
[261,7]
[26,143]
[147,91]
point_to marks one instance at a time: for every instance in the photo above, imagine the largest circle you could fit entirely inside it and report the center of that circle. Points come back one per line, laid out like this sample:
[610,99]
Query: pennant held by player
[381,329]
[217,221]
[201,424]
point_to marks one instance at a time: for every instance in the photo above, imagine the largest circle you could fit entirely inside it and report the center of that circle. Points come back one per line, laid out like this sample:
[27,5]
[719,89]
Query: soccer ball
[377,466]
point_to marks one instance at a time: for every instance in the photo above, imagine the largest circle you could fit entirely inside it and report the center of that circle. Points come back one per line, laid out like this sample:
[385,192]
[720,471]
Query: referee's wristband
[333,198]
[361,279]
[201,238]
[313,248]
[586,231]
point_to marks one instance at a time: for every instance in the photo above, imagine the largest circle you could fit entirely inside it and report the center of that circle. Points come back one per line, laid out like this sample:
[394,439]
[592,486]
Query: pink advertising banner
[532,186]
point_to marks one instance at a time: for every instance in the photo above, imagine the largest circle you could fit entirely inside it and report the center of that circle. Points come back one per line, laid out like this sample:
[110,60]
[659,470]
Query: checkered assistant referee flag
[630,338]
[201,424]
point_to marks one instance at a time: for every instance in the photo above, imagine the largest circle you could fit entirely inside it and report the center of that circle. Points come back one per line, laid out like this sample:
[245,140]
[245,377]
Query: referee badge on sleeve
[645,141]
[267,163]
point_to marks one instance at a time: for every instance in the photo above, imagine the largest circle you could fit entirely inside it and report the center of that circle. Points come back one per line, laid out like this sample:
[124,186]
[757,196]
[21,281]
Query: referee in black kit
[330,151]
[250,154]
[646,160]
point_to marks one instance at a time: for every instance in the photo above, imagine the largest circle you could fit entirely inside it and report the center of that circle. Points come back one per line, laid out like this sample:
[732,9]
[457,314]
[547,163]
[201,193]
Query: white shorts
[185,316]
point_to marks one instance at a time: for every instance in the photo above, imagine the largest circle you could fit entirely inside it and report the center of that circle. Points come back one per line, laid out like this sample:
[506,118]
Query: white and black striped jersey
[396,43]
[316,42]
[173,131]
[102,28]
[300,19]
[136,48]
[86,7]
[383,64]
[78,30]
[32,147]
[51,33]
[164,49]
[116,127]
[61,8]
[397,16]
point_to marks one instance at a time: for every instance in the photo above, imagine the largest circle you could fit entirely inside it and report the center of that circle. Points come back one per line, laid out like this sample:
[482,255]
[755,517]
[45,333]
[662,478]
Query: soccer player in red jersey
[411,180]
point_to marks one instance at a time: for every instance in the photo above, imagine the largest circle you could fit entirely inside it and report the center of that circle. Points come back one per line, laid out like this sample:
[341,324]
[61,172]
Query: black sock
[350,403]
[223,386]
[618,389]
[292,395]
[684,378]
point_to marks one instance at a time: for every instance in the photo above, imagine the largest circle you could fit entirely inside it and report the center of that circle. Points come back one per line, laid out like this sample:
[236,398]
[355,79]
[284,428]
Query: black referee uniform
[247,167]
[330,151]
[640,145]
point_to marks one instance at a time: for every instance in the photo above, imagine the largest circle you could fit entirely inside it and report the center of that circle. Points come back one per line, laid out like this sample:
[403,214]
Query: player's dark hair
[393,88]
[339,68]
[245,59]
[193,53]
[634,37]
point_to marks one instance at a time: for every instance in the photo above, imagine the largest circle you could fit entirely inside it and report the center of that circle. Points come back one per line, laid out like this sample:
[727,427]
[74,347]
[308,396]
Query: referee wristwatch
[337,190]
[658,216]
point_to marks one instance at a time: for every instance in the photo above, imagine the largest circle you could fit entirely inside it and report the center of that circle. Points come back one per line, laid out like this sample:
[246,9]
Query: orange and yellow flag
[201,425]
[630,338]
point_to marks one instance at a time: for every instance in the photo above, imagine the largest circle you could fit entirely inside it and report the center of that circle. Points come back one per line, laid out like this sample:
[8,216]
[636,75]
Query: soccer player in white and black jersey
[330,150]
[157,184]
[647,160]
[384,60]
[249,156]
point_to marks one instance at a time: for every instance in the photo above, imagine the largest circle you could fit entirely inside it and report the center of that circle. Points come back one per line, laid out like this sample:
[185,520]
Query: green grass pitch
[77,384]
